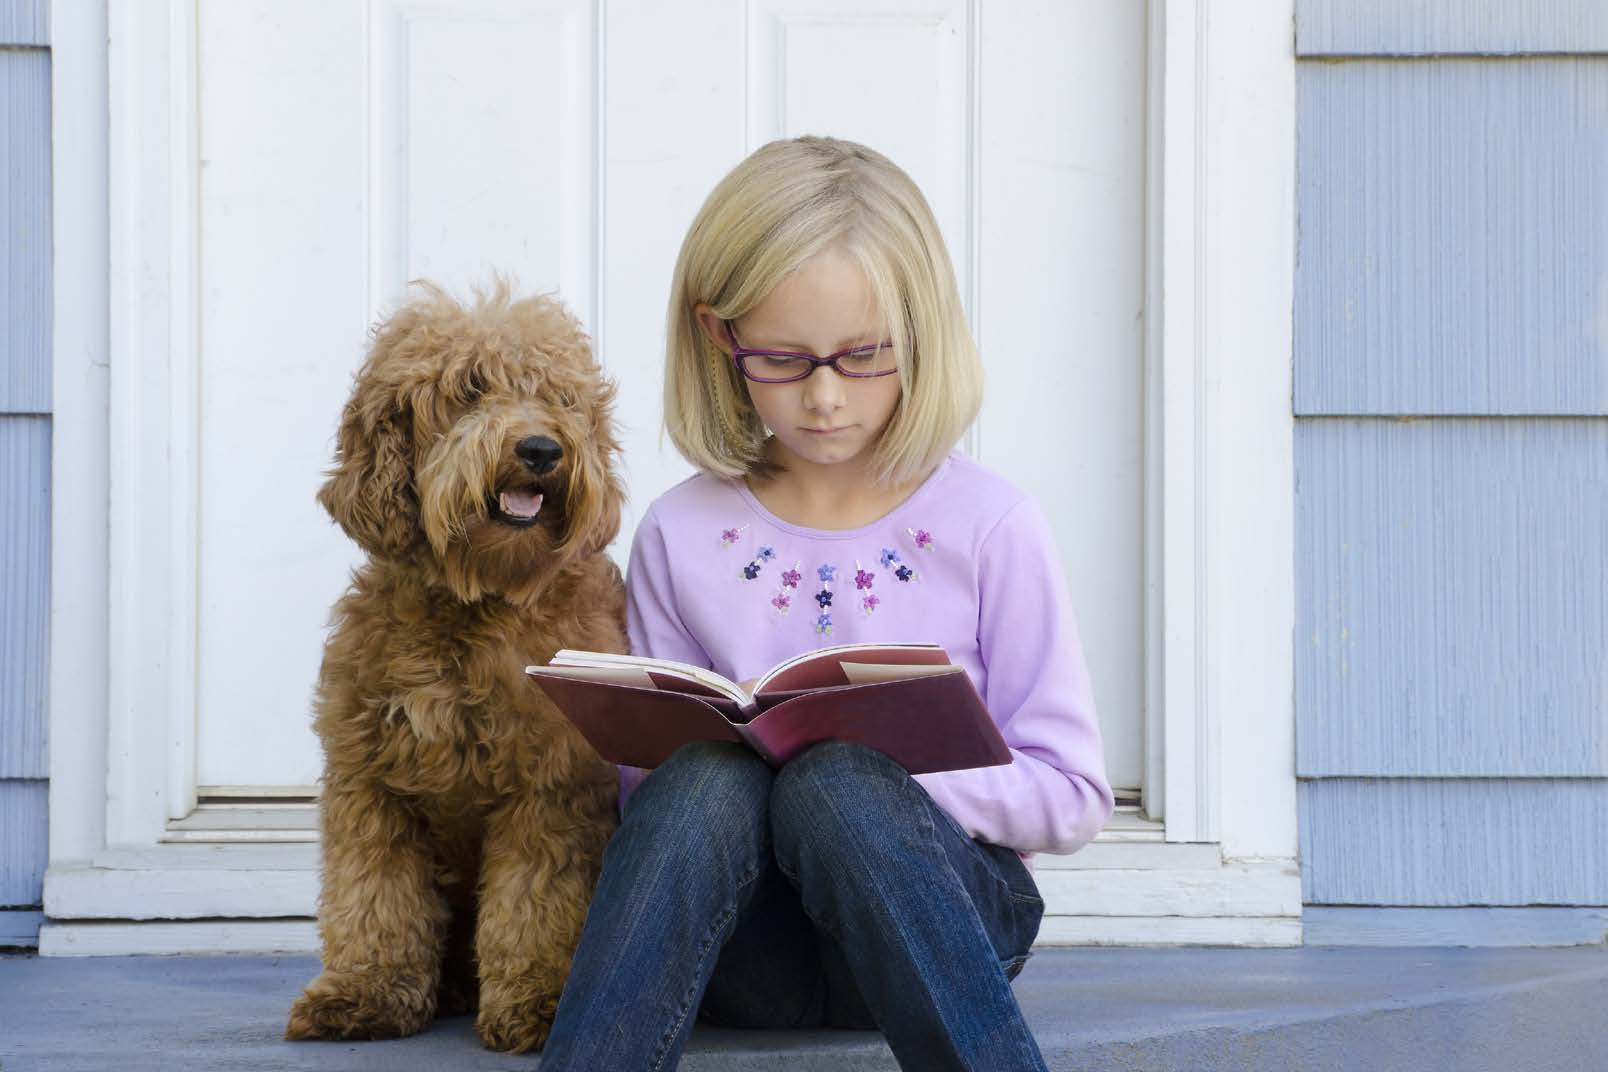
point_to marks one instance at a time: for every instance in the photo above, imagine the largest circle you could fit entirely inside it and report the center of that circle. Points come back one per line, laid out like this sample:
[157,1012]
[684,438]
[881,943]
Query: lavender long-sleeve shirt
[967,561]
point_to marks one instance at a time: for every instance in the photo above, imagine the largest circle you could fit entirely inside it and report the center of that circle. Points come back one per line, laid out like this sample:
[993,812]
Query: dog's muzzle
[519,507]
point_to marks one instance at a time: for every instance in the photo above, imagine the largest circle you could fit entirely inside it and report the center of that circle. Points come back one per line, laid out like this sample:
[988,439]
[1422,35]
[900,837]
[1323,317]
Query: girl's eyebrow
[840,346]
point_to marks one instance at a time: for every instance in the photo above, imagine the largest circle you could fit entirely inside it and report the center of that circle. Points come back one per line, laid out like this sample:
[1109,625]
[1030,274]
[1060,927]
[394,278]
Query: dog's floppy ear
[370,491]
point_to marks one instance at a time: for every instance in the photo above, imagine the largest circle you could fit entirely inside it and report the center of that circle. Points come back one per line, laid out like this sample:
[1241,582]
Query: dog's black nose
[539,452]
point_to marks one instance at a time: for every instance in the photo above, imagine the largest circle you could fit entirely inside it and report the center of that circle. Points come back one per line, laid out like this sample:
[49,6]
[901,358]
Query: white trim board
[1220,460]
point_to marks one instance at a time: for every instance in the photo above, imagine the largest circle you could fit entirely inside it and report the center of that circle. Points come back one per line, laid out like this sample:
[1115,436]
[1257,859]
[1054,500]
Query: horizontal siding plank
[19,928]
[25,256]
[24,847]
[24,594]
[1430,27]
[1454,926]
[1454,841]
[1452,240]
[1451,610]
[24,22]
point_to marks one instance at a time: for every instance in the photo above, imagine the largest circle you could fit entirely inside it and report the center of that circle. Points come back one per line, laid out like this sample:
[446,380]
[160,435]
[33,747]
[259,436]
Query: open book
[905,700]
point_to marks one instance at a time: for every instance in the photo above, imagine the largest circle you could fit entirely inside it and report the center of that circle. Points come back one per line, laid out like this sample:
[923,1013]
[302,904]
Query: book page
[822,668]
[721,686]
[866,673]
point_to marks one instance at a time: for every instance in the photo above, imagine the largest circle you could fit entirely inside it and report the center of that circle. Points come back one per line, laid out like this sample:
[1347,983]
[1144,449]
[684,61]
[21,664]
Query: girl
[820,373]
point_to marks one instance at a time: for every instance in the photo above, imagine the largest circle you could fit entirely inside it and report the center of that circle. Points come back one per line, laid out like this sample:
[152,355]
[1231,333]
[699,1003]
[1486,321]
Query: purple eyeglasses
[785,366]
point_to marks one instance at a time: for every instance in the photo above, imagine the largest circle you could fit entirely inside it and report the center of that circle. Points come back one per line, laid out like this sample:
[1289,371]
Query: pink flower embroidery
[870,603]
[862,579]
[731,536]
[922,537]
[791,577]
[782,602]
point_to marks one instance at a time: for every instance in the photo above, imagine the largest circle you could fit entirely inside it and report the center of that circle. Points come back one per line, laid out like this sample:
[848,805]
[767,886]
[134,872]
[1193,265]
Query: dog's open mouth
[517,506]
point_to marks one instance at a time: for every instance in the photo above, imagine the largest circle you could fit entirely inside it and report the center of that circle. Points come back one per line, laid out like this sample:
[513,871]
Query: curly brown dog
[464,819]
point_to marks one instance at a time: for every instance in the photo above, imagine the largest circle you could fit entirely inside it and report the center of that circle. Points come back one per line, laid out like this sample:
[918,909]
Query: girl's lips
[825,431]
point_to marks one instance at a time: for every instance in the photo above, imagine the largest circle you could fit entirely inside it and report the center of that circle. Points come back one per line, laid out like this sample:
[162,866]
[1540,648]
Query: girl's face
[823,307]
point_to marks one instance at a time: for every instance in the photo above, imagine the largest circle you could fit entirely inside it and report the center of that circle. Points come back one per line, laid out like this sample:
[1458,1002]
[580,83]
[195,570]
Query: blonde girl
[819,375]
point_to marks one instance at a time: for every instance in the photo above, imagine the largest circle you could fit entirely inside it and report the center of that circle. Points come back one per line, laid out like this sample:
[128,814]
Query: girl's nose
[823,388]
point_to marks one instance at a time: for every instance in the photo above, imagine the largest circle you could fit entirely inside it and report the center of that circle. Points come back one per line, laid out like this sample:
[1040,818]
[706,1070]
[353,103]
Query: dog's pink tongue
[520,503]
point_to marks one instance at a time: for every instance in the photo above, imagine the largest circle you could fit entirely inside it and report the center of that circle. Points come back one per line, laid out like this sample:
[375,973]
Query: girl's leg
[931,923]
[675,875]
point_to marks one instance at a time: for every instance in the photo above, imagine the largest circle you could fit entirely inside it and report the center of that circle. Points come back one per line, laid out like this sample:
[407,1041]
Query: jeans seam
[703,953]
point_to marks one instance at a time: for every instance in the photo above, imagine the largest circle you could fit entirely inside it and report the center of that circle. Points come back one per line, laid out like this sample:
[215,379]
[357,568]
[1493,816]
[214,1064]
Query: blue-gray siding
[1453,251]
[24,22]
[22,842]
[25,258]
[24,594]
[1454,841]
[1452,622]
[1419,27]
[25,404]
[1447,619]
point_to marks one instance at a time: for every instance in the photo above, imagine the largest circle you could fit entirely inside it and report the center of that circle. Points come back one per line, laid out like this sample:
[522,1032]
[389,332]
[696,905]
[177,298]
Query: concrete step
[1097,1008]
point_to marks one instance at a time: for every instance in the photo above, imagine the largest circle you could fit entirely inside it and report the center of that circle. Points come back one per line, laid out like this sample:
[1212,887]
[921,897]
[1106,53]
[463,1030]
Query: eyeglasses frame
[740,352]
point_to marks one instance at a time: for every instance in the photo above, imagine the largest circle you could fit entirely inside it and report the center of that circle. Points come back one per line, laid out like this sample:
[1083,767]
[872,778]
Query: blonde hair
[786,202]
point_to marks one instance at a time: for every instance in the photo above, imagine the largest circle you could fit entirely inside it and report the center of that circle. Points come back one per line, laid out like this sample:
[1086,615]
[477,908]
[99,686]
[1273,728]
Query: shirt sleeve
[1053,795]
[651,620]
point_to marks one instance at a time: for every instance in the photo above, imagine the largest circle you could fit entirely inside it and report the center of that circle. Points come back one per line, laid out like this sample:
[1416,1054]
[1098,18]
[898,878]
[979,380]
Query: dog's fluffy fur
[464,819]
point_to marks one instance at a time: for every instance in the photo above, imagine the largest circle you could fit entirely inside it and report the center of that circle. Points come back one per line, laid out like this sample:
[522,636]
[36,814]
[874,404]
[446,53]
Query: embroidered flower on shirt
[824,597]
[731,536]
[782,602]
[823,624]
[870,603]
[826,573]
[751,571]
[904,572]
[889,557]
[767,553]
[863,579]
[922,537]
[791,578]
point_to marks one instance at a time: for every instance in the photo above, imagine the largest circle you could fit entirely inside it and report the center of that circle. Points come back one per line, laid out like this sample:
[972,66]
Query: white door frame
[1219,505]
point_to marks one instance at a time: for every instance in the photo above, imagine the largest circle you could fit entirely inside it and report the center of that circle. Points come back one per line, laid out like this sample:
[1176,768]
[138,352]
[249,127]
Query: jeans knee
[705,791]
[829,796]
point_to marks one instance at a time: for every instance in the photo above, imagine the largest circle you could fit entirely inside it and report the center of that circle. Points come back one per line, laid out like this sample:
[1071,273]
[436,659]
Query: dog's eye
[474,386]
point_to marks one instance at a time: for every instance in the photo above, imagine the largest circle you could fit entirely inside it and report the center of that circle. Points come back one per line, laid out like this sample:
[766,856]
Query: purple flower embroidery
[870,603]
[889,556]
[904,573]
[791,578]
[766,554]
[731,536]
[827,573]
[823,624]
[824,597]
[862,579]
[923,538]
[751,570]
[782,601]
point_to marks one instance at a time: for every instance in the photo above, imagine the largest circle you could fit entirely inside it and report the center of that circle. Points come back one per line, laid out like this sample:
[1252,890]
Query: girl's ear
[370,492]
[714,328]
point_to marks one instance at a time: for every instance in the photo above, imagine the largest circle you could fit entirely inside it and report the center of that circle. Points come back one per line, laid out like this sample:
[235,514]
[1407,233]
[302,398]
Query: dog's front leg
[537,881]
[381,918]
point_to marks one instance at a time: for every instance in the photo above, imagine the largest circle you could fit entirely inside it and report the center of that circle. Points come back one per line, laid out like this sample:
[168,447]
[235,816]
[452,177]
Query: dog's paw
[516,1028]
[361,1005]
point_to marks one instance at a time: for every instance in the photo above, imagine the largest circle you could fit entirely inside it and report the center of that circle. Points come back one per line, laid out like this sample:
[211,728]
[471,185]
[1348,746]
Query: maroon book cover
[929,723]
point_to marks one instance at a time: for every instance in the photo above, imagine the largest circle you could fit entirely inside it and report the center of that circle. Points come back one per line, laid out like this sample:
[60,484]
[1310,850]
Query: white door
[346,147]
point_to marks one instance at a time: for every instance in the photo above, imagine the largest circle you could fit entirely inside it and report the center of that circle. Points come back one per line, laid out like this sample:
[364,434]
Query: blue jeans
[833,892]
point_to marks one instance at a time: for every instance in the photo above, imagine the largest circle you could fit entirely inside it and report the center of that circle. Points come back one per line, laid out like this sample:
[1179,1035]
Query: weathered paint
[1452,240]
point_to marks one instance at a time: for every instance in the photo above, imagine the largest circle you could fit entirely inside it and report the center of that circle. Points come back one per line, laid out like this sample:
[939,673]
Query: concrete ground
[1422,1010]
